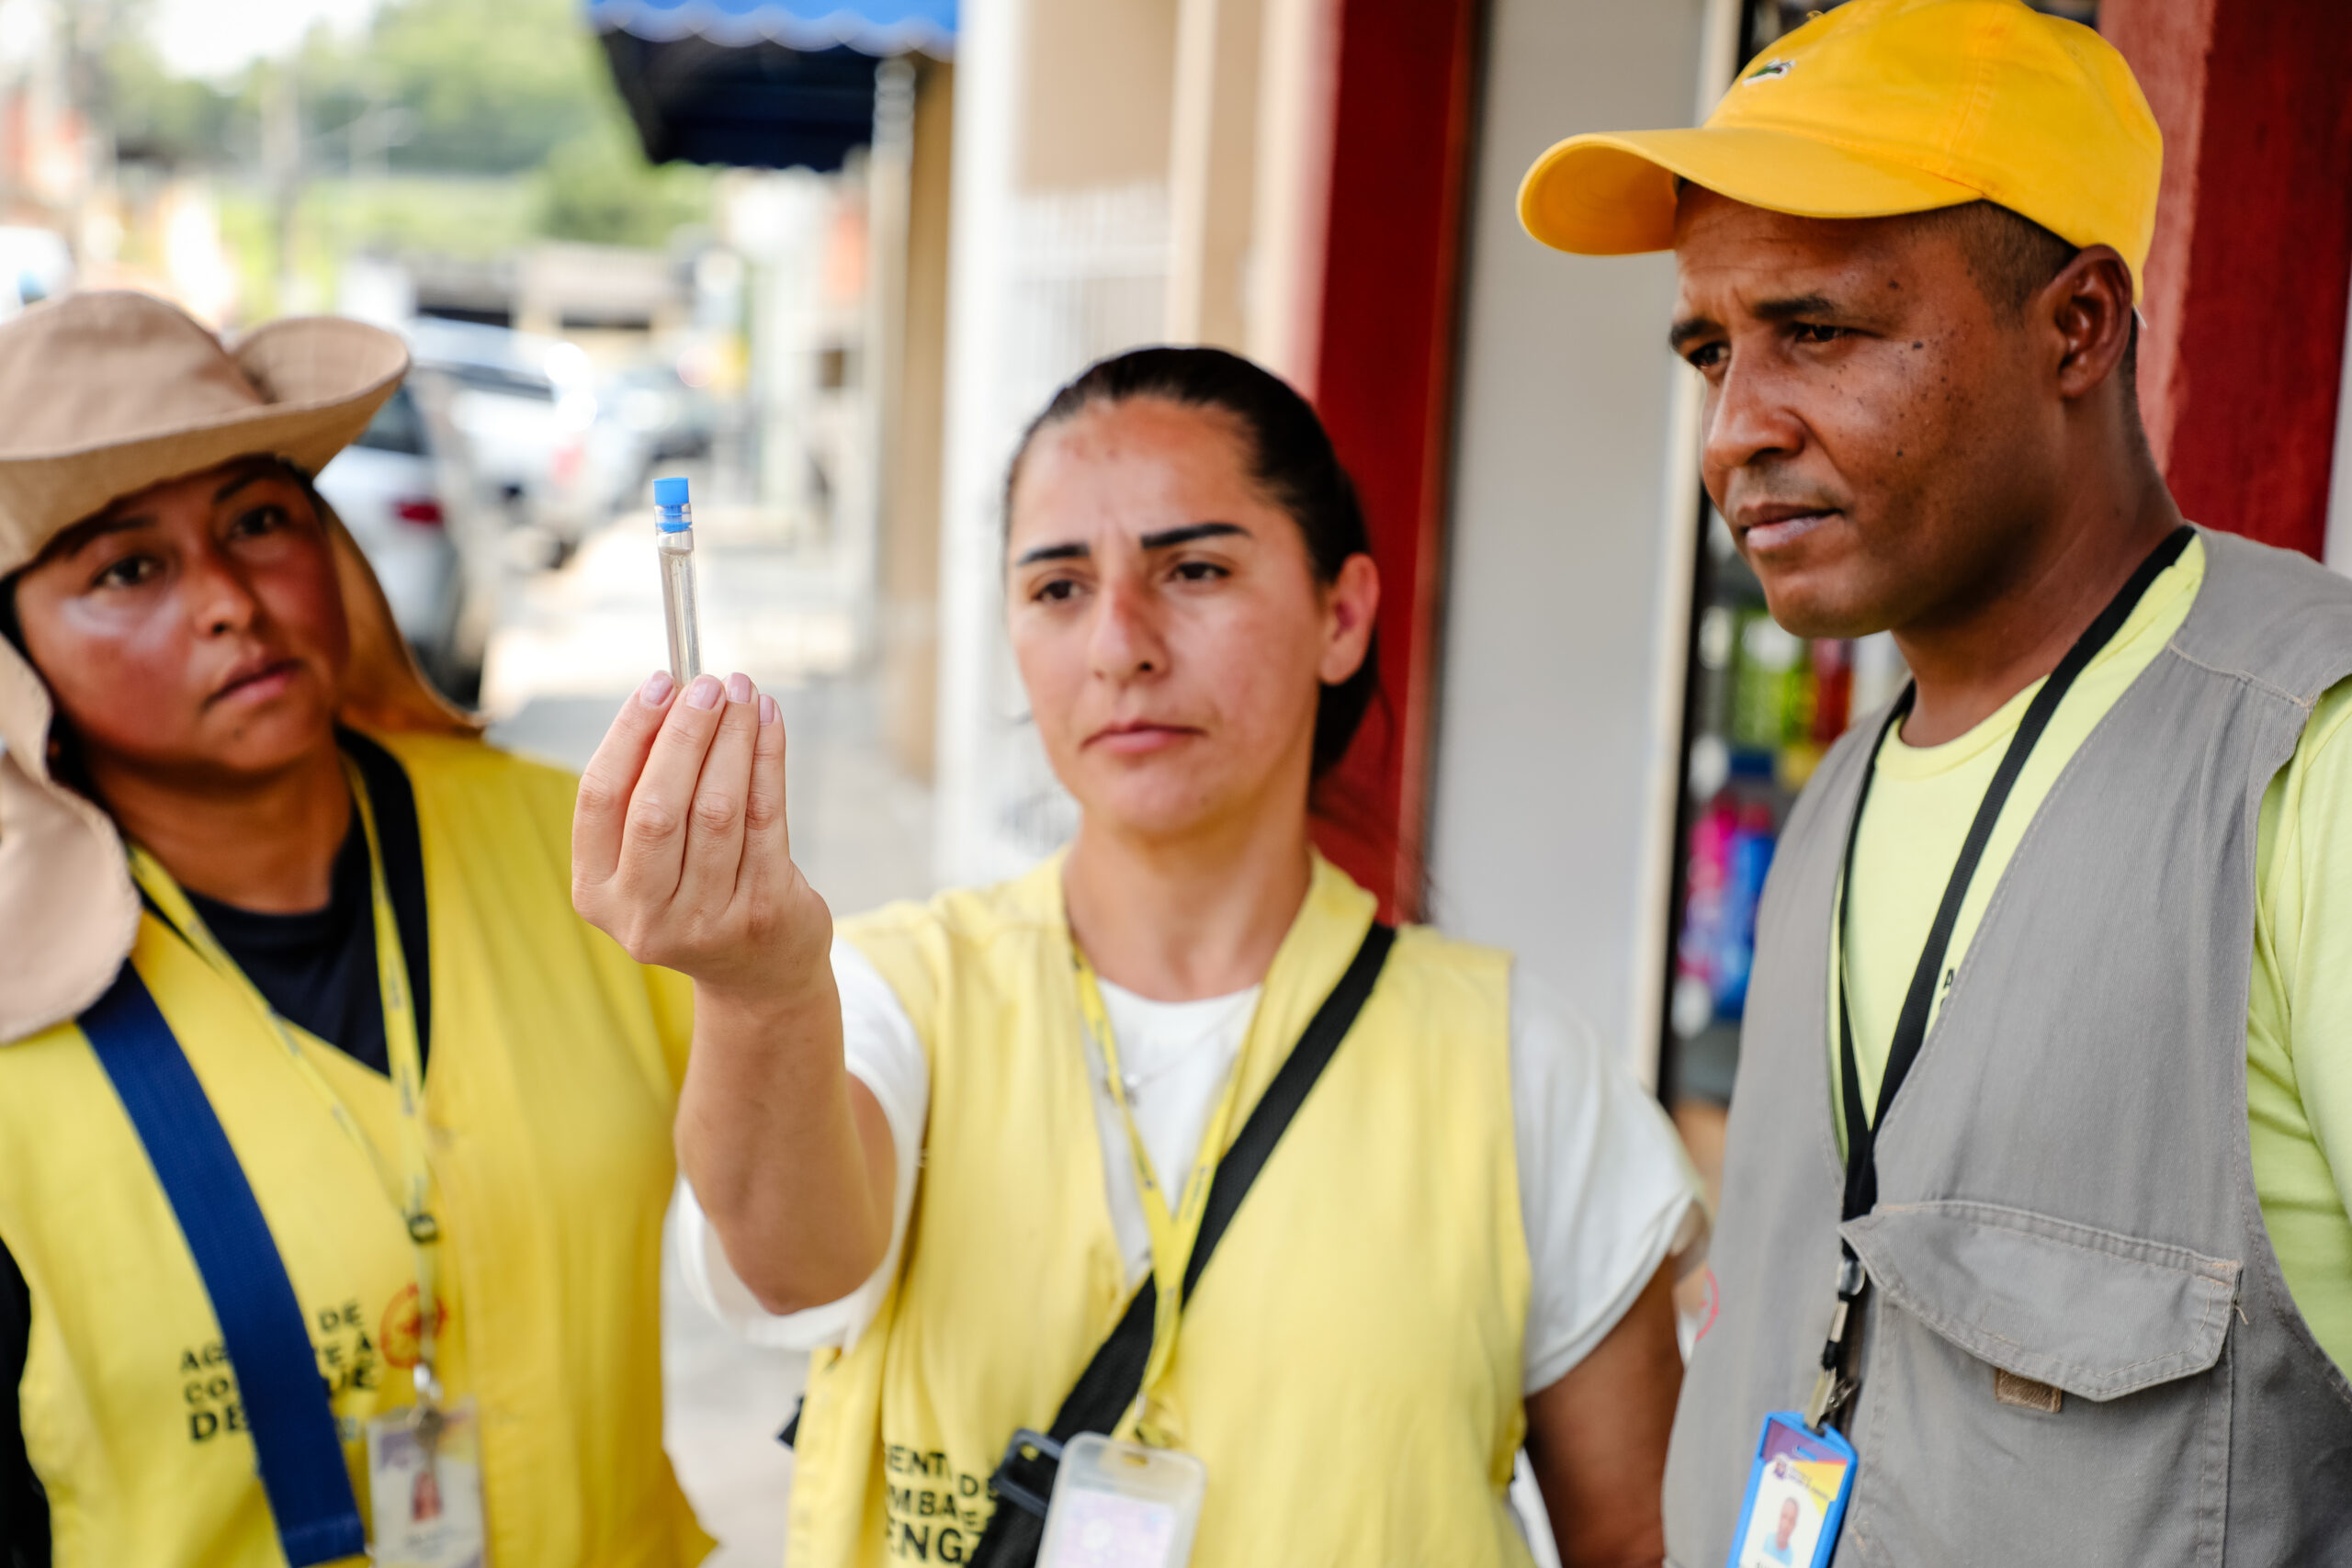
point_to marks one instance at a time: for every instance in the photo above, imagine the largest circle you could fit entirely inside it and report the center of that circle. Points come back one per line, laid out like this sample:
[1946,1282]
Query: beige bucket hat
[101,396]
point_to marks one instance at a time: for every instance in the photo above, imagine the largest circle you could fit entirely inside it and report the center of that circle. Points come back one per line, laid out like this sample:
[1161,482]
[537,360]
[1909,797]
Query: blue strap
[285,1398]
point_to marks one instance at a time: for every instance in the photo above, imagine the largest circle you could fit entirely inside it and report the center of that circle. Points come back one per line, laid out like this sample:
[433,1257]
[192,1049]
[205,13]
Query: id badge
[1796,1496]
[425,1482]
[1122,1505]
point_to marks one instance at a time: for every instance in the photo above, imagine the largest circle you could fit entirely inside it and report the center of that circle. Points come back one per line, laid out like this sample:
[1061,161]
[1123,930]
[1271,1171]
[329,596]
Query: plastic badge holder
[1122,1505]
[1796,1496]
[425,1478]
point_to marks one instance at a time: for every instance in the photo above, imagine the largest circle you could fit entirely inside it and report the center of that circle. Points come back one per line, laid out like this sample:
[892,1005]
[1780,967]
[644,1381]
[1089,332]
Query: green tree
[480,87]
[597,187]
[489,90]
[495,84]
[162,118]
[518,86]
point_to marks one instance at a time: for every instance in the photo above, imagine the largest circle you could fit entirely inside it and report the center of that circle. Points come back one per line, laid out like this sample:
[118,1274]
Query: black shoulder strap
[394,800]
[1023,1483]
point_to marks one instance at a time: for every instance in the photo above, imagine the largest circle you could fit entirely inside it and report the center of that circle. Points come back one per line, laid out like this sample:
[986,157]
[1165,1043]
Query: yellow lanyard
[410,1190]
[1173,1234]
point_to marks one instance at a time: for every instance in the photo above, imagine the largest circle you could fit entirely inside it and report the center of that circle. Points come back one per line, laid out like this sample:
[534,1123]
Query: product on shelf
[1833,689]
[1767,688]
[1715,645]
[1750,857]
[1765,705]
[1706,882]
[1793,764]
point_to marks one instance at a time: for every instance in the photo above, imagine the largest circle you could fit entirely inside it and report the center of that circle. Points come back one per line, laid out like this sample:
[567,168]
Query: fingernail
[657,689]
[704,693]
[738,687]
[767,710]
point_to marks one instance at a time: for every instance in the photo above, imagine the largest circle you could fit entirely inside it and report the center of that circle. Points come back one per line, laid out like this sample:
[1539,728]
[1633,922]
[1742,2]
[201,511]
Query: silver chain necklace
[1133,1082]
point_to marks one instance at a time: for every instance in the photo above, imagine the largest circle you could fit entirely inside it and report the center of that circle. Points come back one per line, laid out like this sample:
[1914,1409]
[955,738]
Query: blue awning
[760,83]
[870,27]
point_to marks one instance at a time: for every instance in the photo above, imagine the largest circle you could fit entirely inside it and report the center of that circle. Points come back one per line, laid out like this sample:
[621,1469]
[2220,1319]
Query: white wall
[987,92]
[1058,256]
[1570,568]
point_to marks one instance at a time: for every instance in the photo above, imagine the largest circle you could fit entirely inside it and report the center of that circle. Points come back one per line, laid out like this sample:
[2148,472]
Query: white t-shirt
[1606,1192]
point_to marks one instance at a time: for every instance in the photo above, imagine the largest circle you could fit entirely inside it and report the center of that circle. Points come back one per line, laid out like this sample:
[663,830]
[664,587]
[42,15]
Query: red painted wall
[1383,383]
[2247,282]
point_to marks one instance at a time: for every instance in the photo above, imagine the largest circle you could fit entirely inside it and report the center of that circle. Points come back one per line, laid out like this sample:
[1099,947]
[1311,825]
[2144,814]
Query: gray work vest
[2066,1192]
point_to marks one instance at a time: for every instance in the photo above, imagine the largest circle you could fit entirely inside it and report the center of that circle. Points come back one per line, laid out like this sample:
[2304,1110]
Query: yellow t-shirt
[2299,1020]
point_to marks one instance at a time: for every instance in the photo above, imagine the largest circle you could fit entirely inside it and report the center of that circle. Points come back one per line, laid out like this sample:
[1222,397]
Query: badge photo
[1796,1496]
[425,1487]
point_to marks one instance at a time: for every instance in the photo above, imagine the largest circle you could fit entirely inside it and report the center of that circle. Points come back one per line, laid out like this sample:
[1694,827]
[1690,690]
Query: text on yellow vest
[1350,1366]
[548,1097]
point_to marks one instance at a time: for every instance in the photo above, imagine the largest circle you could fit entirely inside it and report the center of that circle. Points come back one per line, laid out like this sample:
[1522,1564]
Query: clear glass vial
[674,534]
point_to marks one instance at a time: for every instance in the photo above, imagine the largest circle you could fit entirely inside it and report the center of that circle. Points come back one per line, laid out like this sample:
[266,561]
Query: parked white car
[522,406]
[646,418]
[385,487]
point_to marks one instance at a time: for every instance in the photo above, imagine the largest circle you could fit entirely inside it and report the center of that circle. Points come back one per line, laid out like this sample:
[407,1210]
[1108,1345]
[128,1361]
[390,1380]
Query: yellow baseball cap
[1884,107]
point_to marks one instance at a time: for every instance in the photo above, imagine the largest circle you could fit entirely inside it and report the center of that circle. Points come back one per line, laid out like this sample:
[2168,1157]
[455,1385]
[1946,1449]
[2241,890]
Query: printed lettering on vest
[893,1470]
[586,1045]
[348,1361]
[929,1505]
[922,1542]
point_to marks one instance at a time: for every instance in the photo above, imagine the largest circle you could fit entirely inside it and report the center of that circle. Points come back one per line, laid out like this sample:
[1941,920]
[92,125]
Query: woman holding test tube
[1169,1140]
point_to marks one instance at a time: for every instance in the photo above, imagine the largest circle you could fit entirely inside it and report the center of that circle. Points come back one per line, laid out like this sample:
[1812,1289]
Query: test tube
[674,536]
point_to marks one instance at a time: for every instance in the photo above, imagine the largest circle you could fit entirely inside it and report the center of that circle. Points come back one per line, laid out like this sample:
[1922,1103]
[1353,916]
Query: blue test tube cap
[670,499]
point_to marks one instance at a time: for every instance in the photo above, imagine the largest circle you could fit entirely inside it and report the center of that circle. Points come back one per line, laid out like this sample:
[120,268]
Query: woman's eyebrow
[1165,539]
[258,472]
[1169,538]
[88,532]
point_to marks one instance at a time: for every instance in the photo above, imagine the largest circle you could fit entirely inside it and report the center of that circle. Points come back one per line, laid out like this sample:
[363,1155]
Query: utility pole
[88,28]
[281,155]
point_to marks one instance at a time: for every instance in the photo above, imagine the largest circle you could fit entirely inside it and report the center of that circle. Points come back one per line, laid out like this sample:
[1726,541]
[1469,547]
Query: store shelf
[1763,707]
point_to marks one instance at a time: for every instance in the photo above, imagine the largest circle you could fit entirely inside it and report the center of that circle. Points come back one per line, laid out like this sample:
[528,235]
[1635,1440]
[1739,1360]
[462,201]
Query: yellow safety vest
[549,1100]
[1350,1367]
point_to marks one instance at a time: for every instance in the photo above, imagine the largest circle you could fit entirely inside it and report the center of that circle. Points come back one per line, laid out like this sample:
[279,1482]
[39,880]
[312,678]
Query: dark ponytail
[1290,460]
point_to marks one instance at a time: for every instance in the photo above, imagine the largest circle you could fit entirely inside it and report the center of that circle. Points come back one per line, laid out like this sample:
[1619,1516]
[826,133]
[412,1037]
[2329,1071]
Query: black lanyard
[1832,1389]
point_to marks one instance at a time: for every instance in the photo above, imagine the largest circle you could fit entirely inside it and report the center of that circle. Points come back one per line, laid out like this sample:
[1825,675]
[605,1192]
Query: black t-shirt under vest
[317,968]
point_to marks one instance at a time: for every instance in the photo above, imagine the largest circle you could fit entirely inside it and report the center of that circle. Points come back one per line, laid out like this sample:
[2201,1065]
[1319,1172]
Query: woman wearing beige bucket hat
[255,879]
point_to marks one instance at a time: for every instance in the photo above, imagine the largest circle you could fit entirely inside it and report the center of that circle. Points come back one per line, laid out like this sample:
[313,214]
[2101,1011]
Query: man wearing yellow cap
[2035,1233]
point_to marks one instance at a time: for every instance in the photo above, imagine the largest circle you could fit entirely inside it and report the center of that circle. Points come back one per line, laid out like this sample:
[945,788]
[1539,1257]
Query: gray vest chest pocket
[2038,1390]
